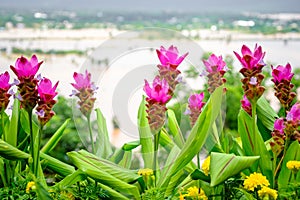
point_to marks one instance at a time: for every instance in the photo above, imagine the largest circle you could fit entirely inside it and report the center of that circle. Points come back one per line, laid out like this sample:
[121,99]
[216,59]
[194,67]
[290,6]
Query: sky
[235,6]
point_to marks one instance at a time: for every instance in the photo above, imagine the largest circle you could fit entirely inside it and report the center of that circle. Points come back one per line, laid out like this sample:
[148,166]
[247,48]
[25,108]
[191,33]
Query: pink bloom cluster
[4,87]
[195,104]
[158,93]
[246,105]
[170,57]
[251,60]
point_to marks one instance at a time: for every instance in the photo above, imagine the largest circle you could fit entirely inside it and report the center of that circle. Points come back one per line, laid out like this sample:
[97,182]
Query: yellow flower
[194,192]
[30,186]
[267,192]
[206,166]
[145,172]
[293,165]
[181,197]
[255,180]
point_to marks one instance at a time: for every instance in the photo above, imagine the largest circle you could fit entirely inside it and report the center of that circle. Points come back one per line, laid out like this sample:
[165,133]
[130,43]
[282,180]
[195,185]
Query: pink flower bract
[25,68]
[196,101]
[82,80]
[246,105]
[159,91]
[281,73]
[279,125]
[294,114]
[214,64]
[249,59]
[170,56]
[46,91]
[4,81]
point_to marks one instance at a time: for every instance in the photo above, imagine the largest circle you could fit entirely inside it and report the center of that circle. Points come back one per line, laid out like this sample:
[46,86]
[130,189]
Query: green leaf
[100,172]
[197,174]
[285,175]
[147,146]
[117,156]
[53,141]
[10,152]
[165,141]
[254,145]
[175,129]
[126,160]
[103,146]
[224,166]
[113,193]
[131,145]
[57,165]
[197,137]
[71,179]
[12,136]
[41,191]
[265,113]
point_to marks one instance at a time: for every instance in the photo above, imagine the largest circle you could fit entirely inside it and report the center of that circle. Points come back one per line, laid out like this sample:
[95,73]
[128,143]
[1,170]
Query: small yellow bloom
[255,180]
[30,186]
[293,165]
[145,172]
[194,192]
[206,166]
[181,197]
[267,192]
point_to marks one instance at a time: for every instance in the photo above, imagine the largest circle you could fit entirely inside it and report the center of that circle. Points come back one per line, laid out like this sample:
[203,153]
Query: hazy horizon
[233,6]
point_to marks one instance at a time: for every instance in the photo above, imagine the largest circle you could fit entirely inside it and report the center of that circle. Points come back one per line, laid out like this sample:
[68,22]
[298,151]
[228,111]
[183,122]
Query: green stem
[2,124]
[254,125]
[274,167]
[31,150]
[91,133]
[37,157]
[156,143]
[7,171]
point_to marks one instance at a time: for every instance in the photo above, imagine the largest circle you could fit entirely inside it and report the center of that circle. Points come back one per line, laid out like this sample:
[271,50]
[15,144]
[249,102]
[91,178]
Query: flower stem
[91,133]
[37,157]
[6,177]
[156,144]
[254,124]
[31,150]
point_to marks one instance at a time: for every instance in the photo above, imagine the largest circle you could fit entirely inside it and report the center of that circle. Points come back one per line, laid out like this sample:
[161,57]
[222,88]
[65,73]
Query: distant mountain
[233,6]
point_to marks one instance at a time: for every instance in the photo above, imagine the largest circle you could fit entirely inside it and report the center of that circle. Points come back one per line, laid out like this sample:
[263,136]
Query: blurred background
[66,34]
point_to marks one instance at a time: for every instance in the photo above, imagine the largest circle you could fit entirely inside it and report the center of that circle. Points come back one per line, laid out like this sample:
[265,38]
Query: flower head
[294,114]
[159,91]
[281,73]
[26,68]
[254,181]
[246,105]
[215,64]
[251,60]
[206,166]
[293,165]
[4,81]
[30,186]
[196,193]
[145,172]
[82,80]
[46,91]
[267,193]
[196,101]
[279,125]
[170,57]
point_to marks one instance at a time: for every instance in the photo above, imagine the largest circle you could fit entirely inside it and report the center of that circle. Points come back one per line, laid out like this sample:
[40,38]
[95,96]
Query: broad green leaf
[165,141]
[2,173]
[117,156]
[12,134]
[197,174]
[197,137]
[147,146]
[99,174]
[71,179]
[265,113]
[126,160]
[11,153]
[113,193]
[224,166]
[254,145]
[103,146]
[246,195]
[175,129]
[24,119]
[285,175]
[41,191]
[57,165]
[52,142]
[131,145]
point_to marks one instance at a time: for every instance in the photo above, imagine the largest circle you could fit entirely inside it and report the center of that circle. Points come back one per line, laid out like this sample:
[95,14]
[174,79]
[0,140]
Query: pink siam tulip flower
[25,68]
[46,91]
[195,106]
[4,87]
[4,81]
[46,101]
[294,114]
[281,73]
[246,105]
[86,90]
[159,91]
[170,57]
[215,64]
[279,125]
[251,60]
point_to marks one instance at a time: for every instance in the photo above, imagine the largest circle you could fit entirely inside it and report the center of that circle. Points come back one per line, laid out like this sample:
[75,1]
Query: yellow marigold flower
[194,192]
[181,197]
[30,186]
[206,166]
[293,165]
[255,180]
[267,192]
[145,172]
